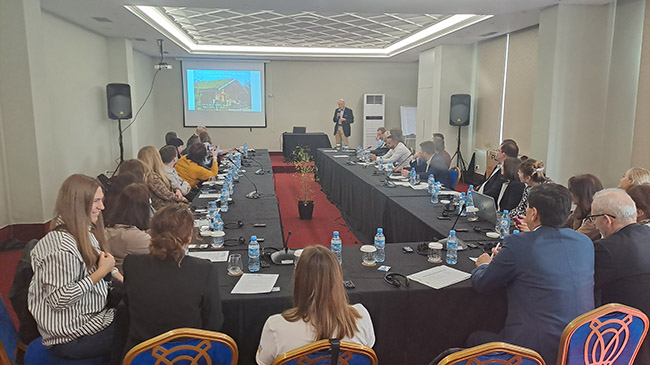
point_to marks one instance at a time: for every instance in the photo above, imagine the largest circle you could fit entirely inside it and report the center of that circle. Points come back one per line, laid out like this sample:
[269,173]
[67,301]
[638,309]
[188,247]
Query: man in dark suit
[492,186]
[343,117]
[427,162]
[622,269]
[548,274]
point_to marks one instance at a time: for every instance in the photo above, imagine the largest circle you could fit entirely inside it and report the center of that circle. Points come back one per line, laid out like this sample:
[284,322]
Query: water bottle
[504,225]
[430,183]
[235,174]
[456,203]
[224,200]
[245,150]
[435,193]
[359,152]
[380,245]
[253,255]
[230,156]
[231,184]
[463,203]
[218,223]
[380,164]
[516,231]
[452,248]
[212,213]
[342,145]
[471,213]
[413,177]
[336,246]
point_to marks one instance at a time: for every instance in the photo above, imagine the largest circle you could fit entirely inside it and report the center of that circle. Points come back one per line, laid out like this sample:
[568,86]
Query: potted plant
[304,169]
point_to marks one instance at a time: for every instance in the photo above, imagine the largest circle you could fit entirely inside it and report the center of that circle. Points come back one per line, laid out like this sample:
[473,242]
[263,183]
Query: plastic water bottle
[336,246]
[380,245]
[504,225]
[430,183]
[452,248]
[463,202]
[380,164]
[435,193]
[224,200]
[212,214]
[471,214]
[230,156]
[218,223]
[231,184]
[359,152]
[245,150]
[342,145]
[413,177]
[515,231]
[235,174]
[253,255]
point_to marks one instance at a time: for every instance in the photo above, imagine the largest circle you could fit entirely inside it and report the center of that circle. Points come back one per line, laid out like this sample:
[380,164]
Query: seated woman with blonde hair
[321,310]
[634,176]
[156,179]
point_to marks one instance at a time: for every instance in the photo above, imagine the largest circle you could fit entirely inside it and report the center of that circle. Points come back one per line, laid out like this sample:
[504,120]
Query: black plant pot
[305,209]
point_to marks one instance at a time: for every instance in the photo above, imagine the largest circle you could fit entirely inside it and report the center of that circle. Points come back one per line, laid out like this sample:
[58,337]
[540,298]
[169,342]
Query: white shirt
[280,335]
[398,155]
[176,181]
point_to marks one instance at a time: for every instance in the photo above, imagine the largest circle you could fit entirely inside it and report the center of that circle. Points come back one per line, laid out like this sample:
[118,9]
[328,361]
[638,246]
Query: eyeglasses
[592,218]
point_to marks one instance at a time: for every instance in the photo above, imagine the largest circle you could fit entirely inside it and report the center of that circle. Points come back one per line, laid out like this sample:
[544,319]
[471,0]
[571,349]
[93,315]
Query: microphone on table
[285,255]
[255,194]
[259,171]
[400,164]
[461,243]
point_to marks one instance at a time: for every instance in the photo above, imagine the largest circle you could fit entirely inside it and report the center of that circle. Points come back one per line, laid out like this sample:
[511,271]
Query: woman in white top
[321,310]
[68,292]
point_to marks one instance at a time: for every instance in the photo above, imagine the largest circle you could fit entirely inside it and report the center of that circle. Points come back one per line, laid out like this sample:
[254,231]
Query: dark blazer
[349,119]
[161,296]
[623,273]
[512,196]
[492,186]
[549,277]
[437,167]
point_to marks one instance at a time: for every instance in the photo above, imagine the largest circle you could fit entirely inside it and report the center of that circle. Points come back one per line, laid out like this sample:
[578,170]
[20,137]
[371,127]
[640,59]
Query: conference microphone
[402,163]
[255,194]
[461,243]
[284,256]
[398,166]
[259,171]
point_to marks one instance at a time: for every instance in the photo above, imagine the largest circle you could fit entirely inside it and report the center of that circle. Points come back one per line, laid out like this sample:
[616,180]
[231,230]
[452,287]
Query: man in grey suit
[622,256]
[343,117]
[548,274]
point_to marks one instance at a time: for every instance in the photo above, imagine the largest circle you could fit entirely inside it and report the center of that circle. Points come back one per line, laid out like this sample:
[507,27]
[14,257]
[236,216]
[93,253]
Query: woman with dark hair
[118,183]
[320,309]
[512,189]
[127,231]
[641,196]
[531,173]
[582,188]
[190,167]
[67,295]
[133,166]
[166,289]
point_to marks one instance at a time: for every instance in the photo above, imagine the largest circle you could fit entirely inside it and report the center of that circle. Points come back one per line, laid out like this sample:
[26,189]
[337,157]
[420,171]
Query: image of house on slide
[224,94]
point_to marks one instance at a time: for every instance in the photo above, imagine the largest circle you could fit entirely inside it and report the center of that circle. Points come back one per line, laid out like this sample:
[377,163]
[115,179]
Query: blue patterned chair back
[8,335]
[611,334]
[185,346]
[318,353]
[500,353]
[37,354]
[454,176]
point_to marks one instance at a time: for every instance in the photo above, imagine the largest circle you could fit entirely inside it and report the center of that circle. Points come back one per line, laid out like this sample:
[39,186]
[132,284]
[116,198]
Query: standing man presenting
[343,117]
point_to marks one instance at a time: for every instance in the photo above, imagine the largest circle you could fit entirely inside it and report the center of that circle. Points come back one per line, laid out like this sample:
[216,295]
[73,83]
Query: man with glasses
[622,268]
[548,274]
[492,186]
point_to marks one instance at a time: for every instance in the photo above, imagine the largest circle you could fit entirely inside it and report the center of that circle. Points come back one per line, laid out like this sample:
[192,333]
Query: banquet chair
[37,354]
[183,345]
[454,176]
[321,353]
[494,353]
[611,334]
[8,336]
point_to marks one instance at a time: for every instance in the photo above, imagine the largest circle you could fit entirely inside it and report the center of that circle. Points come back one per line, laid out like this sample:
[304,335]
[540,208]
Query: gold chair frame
[593,315]
[323,345]
[471,354]
[179,333]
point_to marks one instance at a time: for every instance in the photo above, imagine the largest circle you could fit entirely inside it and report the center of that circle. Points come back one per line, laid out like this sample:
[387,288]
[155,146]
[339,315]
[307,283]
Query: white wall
[300,93]
[5,217]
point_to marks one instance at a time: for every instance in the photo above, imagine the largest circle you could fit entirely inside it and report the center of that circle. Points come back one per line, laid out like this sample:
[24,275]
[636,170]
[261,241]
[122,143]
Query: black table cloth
[310,140]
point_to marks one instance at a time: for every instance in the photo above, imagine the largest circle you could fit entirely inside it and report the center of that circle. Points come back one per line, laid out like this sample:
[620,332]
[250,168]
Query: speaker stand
[460,163]
[120,141]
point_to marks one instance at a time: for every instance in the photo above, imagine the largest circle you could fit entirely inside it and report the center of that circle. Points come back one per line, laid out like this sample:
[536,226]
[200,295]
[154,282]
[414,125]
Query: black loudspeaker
[118,99]
[459,110]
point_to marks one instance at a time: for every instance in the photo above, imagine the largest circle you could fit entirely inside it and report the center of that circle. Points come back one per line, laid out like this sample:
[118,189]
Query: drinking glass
[435,252]
[368,255]
[235,265]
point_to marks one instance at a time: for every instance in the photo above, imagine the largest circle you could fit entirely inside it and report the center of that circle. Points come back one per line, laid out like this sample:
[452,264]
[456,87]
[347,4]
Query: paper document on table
[448,192]
[420,186]
[214,256]
[201,222]
[210,196]
[255,284]
[401,183]
[439,277]
[340,156]
[329,151]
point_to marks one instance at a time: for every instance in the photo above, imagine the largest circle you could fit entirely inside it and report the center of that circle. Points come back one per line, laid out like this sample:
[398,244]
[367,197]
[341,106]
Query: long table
[366,203]
[412,325]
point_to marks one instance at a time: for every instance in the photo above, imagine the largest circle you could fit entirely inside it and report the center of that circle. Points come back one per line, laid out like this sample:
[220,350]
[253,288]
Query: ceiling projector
[162,66]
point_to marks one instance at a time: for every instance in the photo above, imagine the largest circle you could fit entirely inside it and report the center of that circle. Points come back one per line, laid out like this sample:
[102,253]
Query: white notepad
[439,277]
[210,196]
[255,284]
[214,256]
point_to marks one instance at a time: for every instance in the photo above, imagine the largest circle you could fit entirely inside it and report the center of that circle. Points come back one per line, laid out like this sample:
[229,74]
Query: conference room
[85,85]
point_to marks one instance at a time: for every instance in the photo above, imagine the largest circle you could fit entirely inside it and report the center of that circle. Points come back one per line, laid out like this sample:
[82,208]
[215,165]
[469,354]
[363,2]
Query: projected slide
[224,90]
[223,94]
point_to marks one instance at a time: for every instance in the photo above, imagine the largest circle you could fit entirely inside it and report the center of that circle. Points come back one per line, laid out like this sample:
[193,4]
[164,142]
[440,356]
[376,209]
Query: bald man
[622,257]
[343,117]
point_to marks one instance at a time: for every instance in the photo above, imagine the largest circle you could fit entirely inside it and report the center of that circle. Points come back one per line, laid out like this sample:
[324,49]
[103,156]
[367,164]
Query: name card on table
[439,277]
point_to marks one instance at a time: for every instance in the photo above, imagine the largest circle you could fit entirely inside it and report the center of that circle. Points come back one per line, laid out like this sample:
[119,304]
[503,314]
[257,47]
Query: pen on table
[496,247]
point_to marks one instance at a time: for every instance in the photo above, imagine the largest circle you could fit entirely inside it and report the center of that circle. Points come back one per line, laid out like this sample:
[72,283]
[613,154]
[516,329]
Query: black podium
[310,140]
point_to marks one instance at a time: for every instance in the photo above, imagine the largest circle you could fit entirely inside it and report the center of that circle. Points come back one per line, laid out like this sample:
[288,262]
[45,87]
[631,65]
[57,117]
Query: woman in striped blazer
[69,289]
